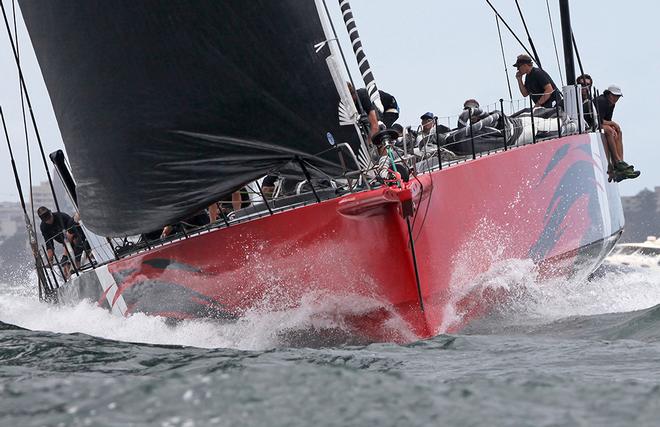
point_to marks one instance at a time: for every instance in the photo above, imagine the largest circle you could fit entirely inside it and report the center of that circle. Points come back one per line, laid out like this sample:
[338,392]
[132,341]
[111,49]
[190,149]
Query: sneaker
[626,174]
[621,166]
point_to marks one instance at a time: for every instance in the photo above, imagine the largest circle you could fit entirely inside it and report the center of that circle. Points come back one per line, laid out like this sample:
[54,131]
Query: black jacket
[53,232]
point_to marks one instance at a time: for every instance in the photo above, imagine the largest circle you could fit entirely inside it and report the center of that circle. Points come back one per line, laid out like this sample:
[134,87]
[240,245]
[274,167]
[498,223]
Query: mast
[566,32]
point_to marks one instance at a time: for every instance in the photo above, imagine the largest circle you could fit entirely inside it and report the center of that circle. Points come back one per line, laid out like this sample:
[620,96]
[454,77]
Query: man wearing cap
[472,113]
[427,134]
[538,84]
[605,103]
[57,226]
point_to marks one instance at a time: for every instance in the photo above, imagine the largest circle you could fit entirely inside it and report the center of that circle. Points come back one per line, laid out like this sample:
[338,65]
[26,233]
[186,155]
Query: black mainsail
[164,106]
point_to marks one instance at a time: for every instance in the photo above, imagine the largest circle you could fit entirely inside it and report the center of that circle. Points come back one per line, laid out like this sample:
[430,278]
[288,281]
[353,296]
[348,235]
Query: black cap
[43,212]
[523,59]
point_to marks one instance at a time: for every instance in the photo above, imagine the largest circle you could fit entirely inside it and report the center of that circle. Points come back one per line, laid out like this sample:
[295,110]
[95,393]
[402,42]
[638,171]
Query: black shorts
[390,118]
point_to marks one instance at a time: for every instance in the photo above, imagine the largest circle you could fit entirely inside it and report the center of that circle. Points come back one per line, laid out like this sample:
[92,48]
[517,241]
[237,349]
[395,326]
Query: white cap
[615,90]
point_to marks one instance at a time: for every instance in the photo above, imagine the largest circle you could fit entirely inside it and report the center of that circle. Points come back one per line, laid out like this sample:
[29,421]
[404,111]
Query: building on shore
[11,219]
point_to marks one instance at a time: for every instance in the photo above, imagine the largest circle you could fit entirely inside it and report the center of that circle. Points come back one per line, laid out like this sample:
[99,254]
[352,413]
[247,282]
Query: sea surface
[581,353]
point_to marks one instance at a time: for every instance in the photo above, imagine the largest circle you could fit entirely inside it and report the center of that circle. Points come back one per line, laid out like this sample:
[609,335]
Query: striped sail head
[363,63]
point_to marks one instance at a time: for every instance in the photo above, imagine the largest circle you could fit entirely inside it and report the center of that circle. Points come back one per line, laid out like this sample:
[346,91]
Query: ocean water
[555,354]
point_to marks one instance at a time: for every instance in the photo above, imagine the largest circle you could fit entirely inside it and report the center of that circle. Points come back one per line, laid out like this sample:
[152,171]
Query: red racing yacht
[166,107]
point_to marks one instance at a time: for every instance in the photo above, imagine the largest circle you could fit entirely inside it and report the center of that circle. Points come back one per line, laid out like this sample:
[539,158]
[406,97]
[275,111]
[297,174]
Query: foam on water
[519,296]
[258,329]
[515,291]
[526,299]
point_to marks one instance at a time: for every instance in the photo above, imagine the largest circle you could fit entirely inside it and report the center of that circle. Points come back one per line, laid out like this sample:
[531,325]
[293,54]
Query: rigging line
[577,54]
[554,41]
[25,129]
[529,37]
[506,69]
[29,228]
[414,260]
[509,28]
[29,103]
[13,164]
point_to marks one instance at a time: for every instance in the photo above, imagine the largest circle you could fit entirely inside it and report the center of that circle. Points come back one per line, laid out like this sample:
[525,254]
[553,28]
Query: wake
[320,320]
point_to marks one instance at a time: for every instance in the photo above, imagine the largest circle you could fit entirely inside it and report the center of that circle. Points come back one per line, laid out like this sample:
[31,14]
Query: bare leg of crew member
[619,140]
[236,201]
[213,212]
[612,138]
[611,150]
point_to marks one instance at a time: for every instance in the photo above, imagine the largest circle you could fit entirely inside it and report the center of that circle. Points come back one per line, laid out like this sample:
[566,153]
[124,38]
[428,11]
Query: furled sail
[164,106]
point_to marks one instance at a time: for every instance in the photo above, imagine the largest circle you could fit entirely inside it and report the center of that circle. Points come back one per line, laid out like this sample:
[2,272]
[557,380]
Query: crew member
[57,227]
[472,113]
[585,81]
[390,112]
[427,134]
[605,103]
[538,84]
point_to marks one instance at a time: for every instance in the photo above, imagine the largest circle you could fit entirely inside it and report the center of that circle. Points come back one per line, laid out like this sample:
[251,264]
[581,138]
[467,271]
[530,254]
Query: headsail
[363,63]
[165,106]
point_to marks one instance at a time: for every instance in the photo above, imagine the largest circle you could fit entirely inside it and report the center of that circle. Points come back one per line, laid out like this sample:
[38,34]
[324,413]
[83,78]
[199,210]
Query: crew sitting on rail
[390,108]
[472,113]
[427,134]
[54,227]
[618,169]
[538,84]
[585,81]
[427,131]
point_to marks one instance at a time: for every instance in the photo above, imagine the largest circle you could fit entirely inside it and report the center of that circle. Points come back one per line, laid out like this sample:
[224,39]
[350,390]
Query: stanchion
[503,123]
[531,112]
[474,153]
[558,118]
[437,141]
[577,109]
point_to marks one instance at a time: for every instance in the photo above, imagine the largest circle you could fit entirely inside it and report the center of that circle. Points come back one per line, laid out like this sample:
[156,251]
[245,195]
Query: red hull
[548,202]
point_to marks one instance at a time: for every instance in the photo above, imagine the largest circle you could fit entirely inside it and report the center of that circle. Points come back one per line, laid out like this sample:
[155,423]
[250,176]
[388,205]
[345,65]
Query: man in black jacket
[389,115]
[55,227]
[538,84]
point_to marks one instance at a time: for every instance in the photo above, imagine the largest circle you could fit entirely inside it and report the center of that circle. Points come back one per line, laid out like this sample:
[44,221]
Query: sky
[432,55]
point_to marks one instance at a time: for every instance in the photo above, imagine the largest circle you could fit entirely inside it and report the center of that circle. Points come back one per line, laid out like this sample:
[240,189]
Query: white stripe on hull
[110,288]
